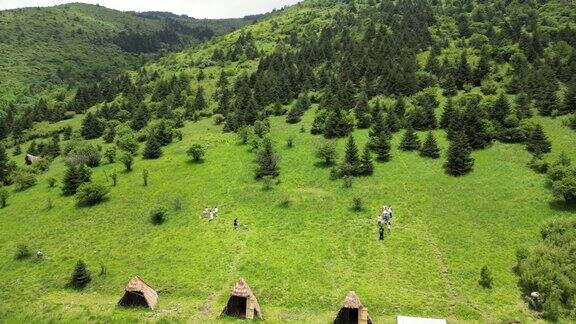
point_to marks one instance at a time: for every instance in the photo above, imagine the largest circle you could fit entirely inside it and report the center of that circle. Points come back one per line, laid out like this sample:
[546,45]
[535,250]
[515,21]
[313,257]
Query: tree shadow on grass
[195,162]
[323,165]
[562,206]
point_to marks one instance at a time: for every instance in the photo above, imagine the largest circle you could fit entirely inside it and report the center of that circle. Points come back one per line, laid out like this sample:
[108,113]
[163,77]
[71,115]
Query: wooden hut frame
[242,303]
[352,311]
[138,294]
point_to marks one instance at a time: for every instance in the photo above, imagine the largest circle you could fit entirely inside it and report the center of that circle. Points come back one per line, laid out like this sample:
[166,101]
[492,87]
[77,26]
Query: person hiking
[236,223]
[381,231]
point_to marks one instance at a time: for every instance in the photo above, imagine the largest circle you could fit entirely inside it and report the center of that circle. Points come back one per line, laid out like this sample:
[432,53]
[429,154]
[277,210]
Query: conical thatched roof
[241,289]
[352,301]
[137,285]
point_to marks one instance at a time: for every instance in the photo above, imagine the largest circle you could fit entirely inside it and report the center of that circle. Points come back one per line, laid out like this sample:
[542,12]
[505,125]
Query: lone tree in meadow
[75,176]
[410,141]
[366,167]
[327,153]
[351,163]
[153,148]
[267,161]
[381,146]
[537,141]
[127,160]
[4,194]
[459,162]
[196,152]
[430,147]
[80,277]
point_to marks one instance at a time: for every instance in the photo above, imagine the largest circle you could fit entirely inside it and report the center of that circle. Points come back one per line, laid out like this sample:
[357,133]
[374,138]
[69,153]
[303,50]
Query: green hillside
[490,82]
[42,48]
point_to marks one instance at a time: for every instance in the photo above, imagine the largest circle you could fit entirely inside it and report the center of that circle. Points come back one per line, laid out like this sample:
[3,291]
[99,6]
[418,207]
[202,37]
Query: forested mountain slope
[461,114]
[42,48]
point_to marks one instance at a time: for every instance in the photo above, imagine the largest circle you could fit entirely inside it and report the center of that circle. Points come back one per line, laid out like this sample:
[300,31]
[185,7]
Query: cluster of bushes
[546,270]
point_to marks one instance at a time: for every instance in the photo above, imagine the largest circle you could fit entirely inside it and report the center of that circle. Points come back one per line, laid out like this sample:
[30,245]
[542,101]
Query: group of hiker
[384,219]
[210,213]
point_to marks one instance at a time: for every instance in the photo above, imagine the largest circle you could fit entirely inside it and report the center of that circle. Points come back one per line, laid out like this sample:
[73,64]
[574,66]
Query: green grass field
[300,260]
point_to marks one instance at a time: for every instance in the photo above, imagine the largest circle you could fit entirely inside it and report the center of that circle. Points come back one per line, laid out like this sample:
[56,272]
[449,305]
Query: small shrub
[357,204]
[51,182]
[127,160]
[196,152]
[267,183]
[4,194]
[290,142]
[103,270]
[348,180]
[244,134]
[334,174]
[80,277]
[42,165]
[538,164]
[177,204]
[302,129]
[114,177]
[22,252]
[218,119]
[24,179]
[327,153]
[285,202]
[49,204]
[485,277]
[90,194]
[158,215]
[110,154]
[145,174]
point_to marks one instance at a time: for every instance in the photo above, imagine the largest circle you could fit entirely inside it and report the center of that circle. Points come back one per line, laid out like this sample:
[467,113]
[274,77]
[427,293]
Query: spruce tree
[366,167]
[459,162]
[153,148]
[80,277]
[410,141]
[337,124]
[537,141]
[500,110]
[448,114]
[351,162]
[463,74]
[482,69]
[267,161]
[362,111]
[523,106]
[199,100]
[381,146]
[75,176]
[430,147]
[92,126]
[569,103]
[474,127]
[378,125]
[6,167]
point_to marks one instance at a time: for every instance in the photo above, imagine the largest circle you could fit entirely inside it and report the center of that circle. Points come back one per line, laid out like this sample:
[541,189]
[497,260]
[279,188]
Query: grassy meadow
[301,258]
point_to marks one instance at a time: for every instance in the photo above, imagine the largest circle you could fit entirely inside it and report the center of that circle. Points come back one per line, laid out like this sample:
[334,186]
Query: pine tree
[482,69]
[199,100]
[80,277]
[459,162]
[410,141]
[75,176]
[378,126]
[338,124]
[474,127]
[448,114]
[362,111]
[430,147]
[366,167]
[153,148]
[140,117]
[537,141]
[381,146]
[569,103]
[6,167]
[462,75]
[500,110]
[351,162]
[523,106]
[92,126]
[267,161]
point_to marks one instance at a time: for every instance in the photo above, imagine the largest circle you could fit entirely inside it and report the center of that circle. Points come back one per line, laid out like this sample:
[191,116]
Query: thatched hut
[242,303]
[352,311]
[30,159]
[139,294]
